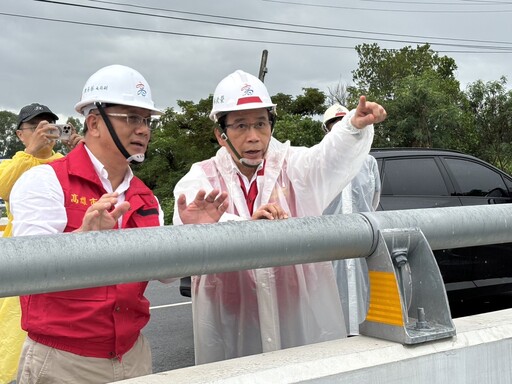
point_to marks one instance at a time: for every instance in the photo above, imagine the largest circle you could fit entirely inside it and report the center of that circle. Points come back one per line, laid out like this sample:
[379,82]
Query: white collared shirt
[37,199]
[245,180]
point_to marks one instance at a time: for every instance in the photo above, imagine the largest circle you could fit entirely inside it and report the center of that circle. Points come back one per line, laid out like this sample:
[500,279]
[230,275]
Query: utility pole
[263,65]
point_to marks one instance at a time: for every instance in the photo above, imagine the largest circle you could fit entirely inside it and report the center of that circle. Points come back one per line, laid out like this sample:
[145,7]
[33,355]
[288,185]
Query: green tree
[301,131]
[490,104]
[9,142]
[295,117]
[311,103]
[419,91]
[284,103]
[381,70]
[424,113]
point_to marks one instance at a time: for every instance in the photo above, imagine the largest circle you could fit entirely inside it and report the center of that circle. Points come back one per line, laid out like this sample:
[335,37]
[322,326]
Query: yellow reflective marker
[385,304]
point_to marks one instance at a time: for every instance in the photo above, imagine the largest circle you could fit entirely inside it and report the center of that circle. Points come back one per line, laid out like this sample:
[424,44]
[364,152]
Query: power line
[477,2]
[210,36]
[173,33]
[386,9]
[502,49]
[275,29]
[297,25]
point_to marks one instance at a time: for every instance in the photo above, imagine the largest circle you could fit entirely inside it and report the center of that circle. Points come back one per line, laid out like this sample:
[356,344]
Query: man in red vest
[92,335]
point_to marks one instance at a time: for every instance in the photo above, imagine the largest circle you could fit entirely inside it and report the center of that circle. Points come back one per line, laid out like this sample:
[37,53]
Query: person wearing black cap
[34,130]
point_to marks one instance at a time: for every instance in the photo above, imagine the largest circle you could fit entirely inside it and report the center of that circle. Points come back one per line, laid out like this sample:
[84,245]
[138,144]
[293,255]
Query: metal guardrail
[36,264]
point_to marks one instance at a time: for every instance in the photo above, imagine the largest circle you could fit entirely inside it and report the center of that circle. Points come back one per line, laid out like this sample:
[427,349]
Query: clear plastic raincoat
[249,312]
[362,194]
[11,334]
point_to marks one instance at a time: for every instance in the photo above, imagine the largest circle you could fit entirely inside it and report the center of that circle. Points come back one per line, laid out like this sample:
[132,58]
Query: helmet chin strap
[138,157]
[247,162]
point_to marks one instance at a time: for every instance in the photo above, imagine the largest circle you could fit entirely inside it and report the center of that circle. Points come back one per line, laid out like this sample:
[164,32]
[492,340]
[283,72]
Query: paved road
[170,328]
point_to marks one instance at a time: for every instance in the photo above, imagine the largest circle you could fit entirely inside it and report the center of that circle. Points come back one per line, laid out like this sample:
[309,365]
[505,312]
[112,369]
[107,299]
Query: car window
[476,179]
[413,176]
[508,182]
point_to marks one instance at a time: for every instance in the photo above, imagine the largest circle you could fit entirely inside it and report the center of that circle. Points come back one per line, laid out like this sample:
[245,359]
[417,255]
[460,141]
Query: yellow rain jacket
[11,334]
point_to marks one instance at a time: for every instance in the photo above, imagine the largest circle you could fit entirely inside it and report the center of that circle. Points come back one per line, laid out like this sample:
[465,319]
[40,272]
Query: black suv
[431,178]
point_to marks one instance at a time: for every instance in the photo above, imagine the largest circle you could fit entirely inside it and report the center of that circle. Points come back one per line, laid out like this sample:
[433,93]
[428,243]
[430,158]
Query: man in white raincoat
[362,194]
[249,312]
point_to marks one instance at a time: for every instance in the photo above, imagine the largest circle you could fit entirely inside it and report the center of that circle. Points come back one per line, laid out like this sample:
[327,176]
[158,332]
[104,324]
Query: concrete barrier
[480,353]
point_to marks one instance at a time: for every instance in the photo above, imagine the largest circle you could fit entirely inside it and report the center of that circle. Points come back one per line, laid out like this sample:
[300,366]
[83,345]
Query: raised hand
[203,209]
[269,211]
[41,142]
[103,214]
[367,112]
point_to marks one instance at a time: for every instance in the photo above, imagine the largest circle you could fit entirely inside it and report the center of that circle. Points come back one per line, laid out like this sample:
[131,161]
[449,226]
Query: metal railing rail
[36,264]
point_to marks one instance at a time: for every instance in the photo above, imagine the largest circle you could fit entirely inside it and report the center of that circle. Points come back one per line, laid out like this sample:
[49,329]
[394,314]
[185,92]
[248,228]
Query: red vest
[96,322]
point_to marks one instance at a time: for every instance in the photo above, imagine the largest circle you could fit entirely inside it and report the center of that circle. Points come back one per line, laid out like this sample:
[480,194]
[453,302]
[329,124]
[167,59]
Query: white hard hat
[117,84]
[238,92]
[334,111]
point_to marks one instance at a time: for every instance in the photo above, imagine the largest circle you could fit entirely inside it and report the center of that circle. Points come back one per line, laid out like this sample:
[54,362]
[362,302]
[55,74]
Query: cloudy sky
[48,49]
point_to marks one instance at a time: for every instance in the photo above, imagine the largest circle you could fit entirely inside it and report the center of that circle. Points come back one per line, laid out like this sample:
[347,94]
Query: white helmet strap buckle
[244,161]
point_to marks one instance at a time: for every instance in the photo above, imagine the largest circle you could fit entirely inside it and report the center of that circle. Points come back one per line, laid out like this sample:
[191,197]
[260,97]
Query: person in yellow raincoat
[35,131]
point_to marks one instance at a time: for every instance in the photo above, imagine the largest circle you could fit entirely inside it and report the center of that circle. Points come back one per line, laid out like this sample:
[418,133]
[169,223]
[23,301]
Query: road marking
[171,305]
